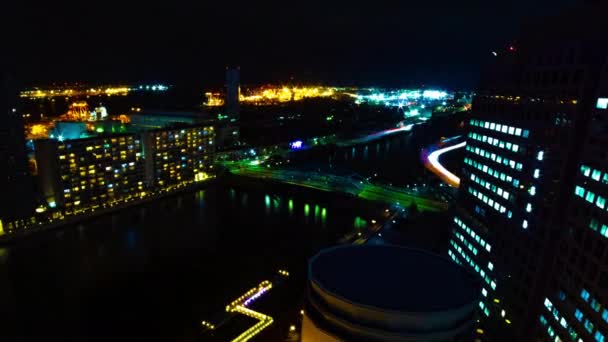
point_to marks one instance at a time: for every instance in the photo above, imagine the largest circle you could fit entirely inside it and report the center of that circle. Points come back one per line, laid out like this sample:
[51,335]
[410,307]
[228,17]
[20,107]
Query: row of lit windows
[466,243]
[495,189]
[594,304]
[501,128]
[594,174]
[495,142]
[494,157]
[490,202]
[590,197]
[494,173]
[473,265]
[595,226]
[474,235]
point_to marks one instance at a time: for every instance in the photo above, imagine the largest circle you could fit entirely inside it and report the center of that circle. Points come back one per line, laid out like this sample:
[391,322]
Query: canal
[156,271]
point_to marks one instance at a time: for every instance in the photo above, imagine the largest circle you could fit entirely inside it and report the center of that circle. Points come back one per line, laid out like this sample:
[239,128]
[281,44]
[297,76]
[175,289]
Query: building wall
[311,333]
[232,93]
[179,155]
[91,171]
[576,306]
[512,205]
[15,178]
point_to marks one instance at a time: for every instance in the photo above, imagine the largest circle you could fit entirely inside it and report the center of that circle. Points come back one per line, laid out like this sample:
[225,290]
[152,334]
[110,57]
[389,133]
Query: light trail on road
[433,164]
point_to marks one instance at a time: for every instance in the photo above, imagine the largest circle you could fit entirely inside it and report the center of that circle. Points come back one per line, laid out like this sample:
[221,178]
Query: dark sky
[400,43]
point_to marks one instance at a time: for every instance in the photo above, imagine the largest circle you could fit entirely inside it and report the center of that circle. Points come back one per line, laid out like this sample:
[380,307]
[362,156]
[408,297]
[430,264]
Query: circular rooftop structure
[388,293]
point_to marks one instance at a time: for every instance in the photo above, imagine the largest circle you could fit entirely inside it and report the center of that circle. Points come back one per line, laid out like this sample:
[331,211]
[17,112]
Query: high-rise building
[530,118]
[90,172]
[17,199]
[178,155]
[232,108]
[576,304]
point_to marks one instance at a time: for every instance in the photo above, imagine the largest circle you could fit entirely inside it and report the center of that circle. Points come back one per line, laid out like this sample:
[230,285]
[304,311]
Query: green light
[267,201]
[317,212]
[290,206]
[323,215]
[306,209]
[99,130]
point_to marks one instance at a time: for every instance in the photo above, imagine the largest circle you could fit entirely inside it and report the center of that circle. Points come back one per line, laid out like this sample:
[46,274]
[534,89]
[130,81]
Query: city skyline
[147,199]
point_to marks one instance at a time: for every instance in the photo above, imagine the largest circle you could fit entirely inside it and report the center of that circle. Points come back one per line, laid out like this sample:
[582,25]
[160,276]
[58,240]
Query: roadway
[431,162]
[333,183]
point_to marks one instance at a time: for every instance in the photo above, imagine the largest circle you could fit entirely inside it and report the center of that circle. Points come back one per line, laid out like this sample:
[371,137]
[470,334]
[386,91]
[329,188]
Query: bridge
[332,183]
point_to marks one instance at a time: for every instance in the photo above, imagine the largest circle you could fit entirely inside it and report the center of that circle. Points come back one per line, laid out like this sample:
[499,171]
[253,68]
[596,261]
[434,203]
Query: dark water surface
[155,271]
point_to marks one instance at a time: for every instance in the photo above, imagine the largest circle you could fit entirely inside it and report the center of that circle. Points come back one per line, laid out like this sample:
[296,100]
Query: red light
[511,48]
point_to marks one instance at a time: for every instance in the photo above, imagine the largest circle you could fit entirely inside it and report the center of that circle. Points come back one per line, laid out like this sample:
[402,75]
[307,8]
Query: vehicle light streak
[432,162]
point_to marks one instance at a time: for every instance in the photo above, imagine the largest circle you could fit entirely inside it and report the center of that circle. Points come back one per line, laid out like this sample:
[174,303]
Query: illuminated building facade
[232,93]
[576,306]
[15,182]
[90,172]
[178,155]
[523,145]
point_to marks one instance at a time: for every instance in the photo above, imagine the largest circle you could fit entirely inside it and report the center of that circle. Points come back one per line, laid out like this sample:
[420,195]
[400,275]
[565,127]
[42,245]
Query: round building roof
[393,278]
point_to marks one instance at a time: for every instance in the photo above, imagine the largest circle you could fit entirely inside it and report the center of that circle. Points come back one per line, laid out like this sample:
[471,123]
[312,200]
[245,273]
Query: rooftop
[393,278]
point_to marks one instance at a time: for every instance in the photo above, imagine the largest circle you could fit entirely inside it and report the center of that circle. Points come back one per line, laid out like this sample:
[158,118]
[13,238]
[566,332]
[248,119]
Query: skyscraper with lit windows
[530,119]
[576,305]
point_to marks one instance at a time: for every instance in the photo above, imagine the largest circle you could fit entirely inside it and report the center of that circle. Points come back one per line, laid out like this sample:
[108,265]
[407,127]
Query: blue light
[296,145]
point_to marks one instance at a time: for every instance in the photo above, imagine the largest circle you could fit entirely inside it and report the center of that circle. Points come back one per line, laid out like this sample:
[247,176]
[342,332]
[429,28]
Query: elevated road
[333,183]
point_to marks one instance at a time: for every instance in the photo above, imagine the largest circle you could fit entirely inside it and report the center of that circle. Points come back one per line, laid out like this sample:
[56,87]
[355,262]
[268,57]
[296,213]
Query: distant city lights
[86,91]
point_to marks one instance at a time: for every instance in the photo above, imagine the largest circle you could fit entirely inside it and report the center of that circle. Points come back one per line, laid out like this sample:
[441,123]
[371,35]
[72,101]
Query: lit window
[526,133]
[484,292]
[536,173]
[586,170]
[515,148]
[518,131]
[593,224]
[529,207]
[511,130]
[505,128]
[602,103]
[578,315]
[596,174]
[585,295]
[548,304]
[605,315]
[599,337]
[525,224]
[590,197]
[579,191]
[604,230]
[540,155]
[490,266]
[600,202]
[532,190]
[595,305]
[588,325]
[563,323]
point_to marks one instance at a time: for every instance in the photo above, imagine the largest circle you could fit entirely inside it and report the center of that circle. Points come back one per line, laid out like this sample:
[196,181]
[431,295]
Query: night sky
[439,42]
